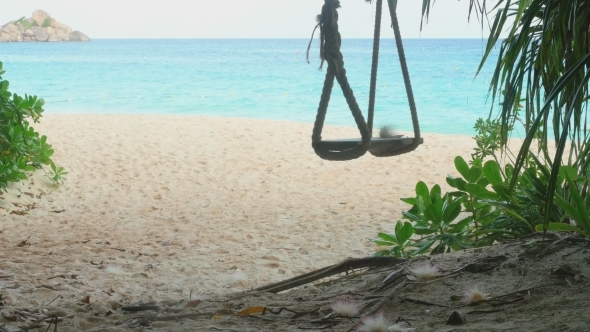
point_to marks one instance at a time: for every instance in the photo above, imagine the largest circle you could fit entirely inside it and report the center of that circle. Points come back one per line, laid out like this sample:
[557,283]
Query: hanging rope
[408,84]
[330,42]
[330,53]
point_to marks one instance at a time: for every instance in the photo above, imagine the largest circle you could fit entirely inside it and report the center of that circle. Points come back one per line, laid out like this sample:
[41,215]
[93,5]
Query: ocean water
[267,79]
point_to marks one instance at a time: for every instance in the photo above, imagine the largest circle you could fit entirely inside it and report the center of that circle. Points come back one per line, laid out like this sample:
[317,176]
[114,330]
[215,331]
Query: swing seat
[378,145]
[348,149]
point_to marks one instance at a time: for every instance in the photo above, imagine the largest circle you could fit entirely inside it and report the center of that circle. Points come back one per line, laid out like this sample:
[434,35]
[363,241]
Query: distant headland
[41,27]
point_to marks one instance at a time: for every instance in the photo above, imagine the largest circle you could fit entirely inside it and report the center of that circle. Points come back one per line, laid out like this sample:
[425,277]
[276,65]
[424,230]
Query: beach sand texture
[158,207]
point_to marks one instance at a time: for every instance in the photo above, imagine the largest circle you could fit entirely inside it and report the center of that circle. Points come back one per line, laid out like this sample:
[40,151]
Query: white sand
[169,205]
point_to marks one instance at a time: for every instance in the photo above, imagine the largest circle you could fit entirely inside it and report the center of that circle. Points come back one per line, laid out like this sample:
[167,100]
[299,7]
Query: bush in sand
[22,149]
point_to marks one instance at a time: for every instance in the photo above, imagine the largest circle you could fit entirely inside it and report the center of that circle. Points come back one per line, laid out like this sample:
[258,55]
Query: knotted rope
[330,53]
[330,42]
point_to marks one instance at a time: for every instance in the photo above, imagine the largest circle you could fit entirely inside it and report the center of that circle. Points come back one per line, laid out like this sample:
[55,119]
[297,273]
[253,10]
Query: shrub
[26,24]
[46,23]
[22,149]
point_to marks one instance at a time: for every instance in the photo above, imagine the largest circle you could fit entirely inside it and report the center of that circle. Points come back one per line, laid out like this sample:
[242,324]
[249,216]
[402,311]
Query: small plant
[398,241]
[46,23]
[434,217]
[22,149]
[576,210]
[488,138]
[57,174]
[26,24]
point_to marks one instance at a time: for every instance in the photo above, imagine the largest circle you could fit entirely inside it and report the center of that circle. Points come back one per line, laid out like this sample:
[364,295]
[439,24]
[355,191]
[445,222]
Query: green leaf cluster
[46,23]
[26,24]
[541,81]
[542,74]
[483,209]
[22,149]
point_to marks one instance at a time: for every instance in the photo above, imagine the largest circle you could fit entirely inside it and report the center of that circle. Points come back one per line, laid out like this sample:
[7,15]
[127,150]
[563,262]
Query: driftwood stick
[344,266]
[193,316]
[418,301]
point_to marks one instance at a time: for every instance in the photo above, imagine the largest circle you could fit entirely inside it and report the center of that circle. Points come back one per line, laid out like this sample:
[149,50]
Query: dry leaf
[193,304]
[12,318]
[85,301]
[253,310]
[301,314]
[23,243]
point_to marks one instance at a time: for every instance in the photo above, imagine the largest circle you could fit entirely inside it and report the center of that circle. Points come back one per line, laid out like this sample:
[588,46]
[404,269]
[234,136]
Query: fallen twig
[436,280]
[136,308]
[517,292]
[50,287]
[57,297]
[553,244]
[344,266]
[315,328]
[482,312]
[500,302]
[57,276]
[195,315]
[416,301]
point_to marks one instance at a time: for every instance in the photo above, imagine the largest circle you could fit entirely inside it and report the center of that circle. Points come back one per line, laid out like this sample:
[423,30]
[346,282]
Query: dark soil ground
[534,284]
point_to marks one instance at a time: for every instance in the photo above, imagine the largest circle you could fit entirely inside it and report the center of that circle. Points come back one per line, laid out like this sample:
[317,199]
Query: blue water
[267,79]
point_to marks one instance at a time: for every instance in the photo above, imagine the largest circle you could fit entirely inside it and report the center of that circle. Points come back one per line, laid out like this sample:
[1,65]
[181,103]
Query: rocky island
[41,27]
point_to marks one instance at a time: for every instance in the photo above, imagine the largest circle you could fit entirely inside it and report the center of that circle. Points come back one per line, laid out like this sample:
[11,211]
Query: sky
[242,18]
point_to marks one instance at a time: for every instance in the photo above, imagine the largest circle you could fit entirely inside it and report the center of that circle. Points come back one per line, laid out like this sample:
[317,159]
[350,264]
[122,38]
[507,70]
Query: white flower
[474,294]
[376,323]
[424,271]
[345,307]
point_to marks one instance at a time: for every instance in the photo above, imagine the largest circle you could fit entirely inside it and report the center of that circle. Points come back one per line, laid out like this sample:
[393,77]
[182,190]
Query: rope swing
[348,149]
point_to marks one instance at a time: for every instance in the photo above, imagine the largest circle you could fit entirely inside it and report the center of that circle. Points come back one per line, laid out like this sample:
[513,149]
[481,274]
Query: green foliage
[22,149]
[57,174]
[483,210]
[488,138]
[26,24]
[434,219]
[542,76]
[576,209]
[543,68]
[46,23]
[398,241]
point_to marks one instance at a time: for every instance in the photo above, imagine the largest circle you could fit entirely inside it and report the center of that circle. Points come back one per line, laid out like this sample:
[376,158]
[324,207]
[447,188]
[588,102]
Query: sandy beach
[159,207]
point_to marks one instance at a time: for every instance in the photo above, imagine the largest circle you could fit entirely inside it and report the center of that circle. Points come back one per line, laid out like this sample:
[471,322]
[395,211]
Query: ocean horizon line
[269,38]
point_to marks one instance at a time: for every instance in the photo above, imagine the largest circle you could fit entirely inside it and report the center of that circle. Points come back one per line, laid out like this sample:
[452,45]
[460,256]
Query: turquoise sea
[265,78]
